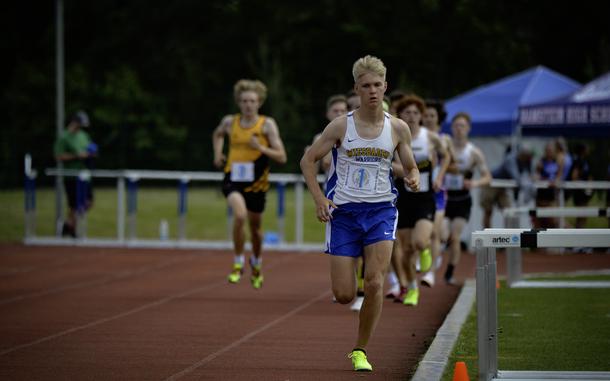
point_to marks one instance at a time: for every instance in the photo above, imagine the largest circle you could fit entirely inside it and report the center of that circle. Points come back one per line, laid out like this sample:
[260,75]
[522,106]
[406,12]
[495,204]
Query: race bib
[424,183]
[362,177]
[454,182]
[242,172]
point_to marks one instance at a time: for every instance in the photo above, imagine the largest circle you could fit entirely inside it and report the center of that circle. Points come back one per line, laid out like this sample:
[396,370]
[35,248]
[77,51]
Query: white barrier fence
[485,243]
[127,209]
[514,277]
[525,199]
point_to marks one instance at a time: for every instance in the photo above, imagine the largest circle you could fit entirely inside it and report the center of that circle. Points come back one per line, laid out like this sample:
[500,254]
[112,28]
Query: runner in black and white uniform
[416,209]
[433,118]
[458,182]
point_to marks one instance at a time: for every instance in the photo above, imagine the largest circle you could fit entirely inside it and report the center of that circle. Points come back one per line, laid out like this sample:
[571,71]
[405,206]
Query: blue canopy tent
[494,108]
[584,113]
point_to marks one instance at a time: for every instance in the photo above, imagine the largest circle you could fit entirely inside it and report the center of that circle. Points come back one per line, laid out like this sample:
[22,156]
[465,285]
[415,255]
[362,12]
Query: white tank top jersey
[420,145]
[361,169]
[464,162]
[464,158]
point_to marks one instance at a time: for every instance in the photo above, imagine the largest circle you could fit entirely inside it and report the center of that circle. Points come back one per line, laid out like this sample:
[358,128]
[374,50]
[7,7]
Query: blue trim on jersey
[394,189]
[331,183]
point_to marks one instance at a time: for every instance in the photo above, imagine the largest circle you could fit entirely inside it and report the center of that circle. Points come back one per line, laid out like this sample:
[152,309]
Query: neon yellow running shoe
[412,297]
[359,361]
[235,275]
[257,281]
[425,260]
[257,276]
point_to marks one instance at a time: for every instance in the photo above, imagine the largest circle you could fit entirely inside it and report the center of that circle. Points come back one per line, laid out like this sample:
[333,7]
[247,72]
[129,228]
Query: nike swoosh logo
[349,141]
[386,233]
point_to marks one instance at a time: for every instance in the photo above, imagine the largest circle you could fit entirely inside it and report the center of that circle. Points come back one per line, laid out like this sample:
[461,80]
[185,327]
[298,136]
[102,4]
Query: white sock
[413,285]
[239,259]
[392,279]
[256,261]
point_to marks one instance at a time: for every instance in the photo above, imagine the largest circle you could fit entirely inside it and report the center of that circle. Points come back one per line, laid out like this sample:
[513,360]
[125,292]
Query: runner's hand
[412,180]
[323,207]
[219,162]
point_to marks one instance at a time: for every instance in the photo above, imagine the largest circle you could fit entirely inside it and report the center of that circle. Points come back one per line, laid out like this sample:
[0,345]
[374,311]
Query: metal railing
[127,188]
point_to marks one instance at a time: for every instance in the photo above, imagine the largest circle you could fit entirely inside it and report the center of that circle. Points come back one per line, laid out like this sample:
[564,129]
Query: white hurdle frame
[561,188]
[514,275]
[485,243]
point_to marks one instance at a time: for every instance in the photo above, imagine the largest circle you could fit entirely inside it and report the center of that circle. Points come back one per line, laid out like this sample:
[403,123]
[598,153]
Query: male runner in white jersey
[359,205]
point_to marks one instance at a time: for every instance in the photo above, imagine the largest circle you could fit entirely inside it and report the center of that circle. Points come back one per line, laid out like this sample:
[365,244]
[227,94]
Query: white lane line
[12,271]
[131,311]
[97,282]
[114,317]
[247,337]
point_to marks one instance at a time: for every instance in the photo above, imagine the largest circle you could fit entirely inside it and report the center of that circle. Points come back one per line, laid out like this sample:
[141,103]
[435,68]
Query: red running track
[69,313]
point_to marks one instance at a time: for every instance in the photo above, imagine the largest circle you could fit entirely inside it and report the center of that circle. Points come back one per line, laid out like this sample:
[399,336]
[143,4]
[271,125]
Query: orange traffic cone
[460,373]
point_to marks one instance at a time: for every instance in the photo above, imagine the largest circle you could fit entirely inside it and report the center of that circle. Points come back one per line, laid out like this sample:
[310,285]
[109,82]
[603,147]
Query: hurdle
[485,243]
[514,276]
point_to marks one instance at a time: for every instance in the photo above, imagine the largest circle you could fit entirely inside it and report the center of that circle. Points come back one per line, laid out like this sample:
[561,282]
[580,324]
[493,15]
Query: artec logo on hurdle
[500,240]
[509,240]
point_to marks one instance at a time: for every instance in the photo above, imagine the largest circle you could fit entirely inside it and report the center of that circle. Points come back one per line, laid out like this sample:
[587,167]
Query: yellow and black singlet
[247,167]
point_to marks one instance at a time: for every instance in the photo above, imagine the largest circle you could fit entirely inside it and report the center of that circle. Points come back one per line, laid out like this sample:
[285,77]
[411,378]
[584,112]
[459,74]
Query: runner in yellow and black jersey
[253,140]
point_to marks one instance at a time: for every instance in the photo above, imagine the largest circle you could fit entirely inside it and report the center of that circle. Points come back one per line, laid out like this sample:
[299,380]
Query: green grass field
[206,216]
[544,329]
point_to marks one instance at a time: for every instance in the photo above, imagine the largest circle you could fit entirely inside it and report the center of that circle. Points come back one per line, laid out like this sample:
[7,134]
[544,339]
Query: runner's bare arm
[276,150]
[332,134]
[439,147]
[402,136]
[484,174]
[218,139]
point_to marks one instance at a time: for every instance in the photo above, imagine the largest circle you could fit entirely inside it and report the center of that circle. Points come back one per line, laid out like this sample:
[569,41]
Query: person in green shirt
[75,150]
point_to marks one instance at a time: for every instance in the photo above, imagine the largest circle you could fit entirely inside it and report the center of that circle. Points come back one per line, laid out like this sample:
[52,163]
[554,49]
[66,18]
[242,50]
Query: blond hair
[250,85]
[368,64]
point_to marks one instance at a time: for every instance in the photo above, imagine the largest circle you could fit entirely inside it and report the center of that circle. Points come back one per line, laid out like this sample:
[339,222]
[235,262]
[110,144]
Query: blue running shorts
[441,199]
[356,225]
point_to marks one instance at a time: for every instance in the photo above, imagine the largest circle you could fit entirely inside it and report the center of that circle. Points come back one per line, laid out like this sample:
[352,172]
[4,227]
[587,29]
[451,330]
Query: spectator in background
[75,150]
[549,168]
[580,171]
[563,154]
[515,166]
[608,191]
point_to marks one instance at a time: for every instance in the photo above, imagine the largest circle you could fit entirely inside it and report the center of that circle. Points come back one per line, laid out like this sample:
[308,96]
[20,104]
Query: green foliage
[157,77]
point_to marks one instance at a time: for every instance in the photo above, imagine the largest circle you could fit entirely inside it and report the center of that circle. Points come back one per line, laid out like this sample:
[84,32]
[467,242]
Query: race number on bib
[424,183]
[454,182]
[242,172]
[362,177]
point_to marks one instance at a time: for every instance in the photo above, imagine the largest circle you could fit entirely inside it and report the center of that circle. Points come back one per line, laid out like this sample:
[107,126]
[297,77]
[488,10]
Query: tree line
[156,77]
